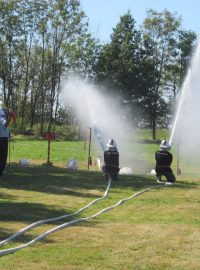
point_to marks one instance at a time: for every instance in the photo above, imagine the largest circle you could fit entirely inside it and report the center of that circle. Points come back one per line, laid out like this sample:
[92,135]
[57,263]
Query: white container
[24,162]
[72,164]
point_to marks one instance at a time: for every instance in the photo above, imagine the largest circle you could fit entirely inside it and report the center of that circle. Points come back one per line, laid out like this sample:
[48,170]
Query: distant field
[139,156]
[36,151]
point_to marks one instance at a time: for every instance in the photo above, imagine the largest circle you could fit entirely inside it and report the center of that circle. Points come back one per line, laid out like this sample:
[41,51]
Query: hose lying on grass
[68,224]
[45,221]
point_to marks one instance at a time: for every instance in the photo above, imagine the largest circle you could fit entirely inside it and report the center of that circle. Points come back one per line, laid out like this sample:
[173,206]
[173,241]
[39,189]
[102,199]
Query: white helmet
[165,145]
[111,143]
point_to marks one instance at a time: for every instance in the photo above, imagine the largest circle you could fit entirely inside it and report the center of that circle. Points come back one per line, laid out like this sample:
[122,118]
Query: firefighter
[163,162]
[111,160]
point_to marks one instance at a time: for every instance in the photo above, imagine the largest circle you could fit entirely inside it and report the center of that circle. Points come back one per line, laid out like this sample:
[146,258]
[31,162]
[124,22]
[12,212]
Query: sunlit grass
[36,151]
[156,230]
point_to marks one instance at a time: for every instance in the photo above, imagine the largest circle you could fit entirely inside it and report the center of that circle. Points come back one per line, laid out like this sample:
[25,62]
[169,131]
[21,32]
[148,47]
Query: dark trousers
[108,168]
[111,170]
[3,154]
[167,172]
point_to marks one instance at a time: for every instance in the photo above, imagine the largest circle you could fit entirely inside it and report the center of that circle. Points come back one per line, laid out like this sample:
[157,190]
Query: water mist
[100,112]
[186,128]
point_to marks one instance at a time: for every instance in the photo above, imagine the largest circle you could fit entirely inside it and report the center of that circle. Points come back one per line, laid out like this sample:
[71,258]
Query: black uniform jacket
[111,158]
[163,158]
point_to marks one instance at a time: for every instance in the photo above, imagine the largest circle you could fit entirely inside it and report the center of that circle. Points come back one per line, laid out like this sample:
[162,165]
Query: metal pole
[48,157]
[178,170]
[89,148]
[9,152]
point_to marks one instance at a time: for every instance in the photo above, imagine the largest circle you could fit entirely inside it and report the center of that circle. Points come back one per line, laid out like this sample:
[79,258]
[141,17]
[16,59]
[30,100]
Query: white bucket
[24,162]
[126,170]
[72,164]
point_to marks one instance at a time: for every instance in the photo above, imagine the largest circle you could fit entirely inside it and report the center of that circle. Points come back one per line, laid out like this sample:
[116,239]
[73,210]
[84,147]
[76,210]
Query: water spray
[186,128]
[100,138]
[180,108]
[177,122]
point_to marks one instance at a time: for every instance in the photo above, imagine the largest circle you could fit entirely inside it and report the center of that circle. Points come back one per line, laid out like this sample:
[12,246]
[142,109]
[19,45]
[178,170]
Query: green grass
[147,134]
[156,230]
[36,151]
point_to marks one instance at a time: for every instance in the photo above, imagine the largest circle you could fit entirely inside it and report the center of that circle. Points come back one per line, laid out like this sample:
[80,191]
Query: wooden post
[49,136]
[178,170]
[89,157]
[48,154]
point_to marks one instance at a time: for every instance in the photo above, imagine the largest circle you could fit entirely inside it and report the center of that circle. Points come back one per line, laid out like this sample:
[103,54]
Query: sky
[103,15]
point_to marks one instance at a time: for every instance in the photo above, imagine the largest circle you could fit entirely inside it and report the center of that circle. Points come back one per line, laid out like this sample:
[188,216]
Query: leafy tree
[69,46]
[175,71]
[118,65]
[10,31]
[160,31]
[40,42]
[119,59]
[186,43]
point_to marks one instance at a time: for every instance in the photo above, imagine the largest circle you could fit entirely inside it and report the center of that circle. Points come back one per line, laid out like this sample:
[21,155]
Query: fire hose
[70,223]
[45,221]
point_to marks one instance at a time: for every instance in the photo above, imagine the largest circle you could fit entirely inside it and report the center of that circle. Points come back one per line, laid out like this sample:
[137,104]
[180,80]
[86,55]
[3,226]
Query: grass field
[36,151]
[156,230]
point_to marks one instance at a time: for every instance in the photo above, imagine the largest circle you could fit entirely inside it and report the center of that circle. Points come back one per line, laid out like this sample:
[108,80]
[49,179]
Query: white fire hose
[67,224]
[45,221]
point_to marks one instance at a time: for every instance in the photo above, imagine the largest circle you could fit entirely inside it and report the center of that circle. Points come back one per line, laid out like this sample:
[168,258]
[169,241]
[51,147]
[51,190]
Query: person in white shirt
[4,137]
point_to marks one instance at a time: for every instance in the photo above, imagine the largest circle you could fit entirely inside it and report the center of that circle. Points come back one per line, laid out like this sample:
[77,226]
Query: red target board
[49,136]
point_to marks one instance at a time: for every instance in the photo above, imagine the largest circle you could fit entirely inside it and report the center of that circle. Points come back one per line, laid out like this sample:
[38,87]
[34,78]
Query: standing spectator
[5,117]
[163,162]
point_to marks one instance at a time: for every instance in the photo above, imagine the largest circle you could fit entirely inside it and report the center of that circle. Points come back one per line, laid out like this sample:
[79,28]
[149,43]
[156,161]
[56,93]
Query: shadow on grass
[55,180]
[4,233]
[27,212]
[60,181]
[139,182]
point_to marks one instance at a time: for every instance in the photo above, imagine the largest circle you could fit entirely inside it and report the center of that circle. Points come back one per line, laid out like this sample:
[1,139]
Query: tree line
[43,41]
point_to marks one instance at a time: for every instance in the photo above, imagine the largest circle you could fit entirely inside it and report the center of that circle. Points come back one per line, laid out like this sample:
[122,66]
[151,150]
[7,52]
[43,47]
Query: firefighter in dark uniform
[163,162]
[111,160]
